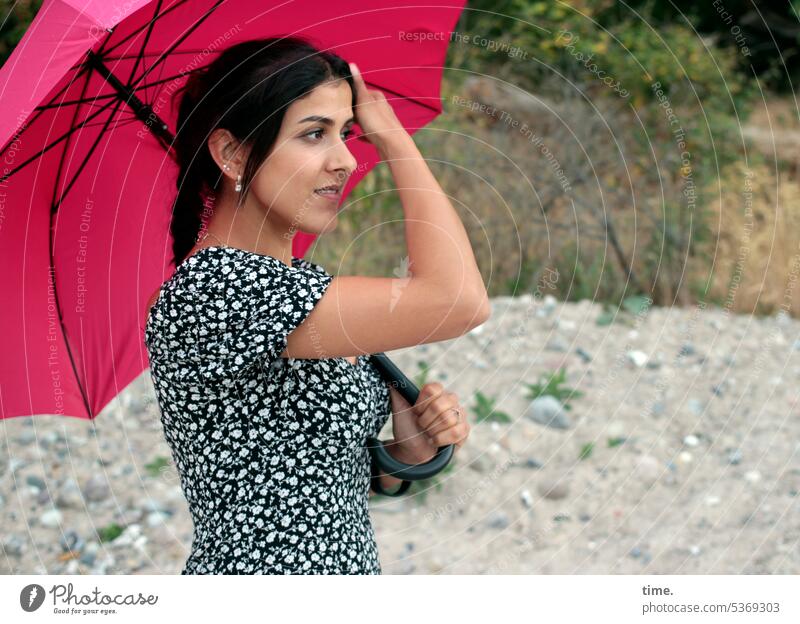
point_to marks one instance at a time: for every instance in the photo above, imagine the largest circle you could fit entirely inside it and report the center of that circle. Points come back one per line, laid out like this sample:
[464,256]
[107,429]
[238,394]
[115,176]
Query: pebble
[156,518]
[532,463]
[69,495]
[152,504]
[557,344]
[553,490]
[96,489]
[637,358]
[547,410]
[548,305]
[648,470]
[752,476]
[51,518]
[481,463]
[695,406]
[694,550]
[734,456]
[712,501]
[71,541]
[526,498]
[131,536]
[14,546]
[686,350]
[89,554]
[583,354]
[498,520]
[691,440]
[26,438]
[685,457]
[36,482]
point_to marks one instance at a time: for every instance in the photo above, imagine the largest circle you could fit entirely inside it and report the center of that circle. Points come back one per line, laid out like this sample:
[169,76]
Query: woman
[260,359]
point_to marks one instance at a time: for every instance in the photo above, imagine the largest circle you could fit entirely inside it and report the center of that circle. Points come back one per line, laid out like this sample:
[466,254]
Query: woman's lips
[330,195]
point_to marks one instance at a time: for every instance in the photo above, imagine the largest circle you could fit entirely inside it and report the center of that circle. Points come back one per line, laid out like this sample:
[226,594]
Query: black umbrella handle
[400,470]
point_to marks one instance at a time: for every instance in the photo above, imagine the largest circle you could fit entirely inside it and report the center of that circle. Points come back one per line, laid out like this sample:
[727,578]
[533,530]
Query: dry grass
[522,224]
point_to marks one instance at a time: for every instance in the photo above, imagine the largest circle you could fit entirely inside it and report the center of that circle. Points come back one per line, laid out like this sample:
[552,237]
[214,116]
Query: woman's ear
[226,150]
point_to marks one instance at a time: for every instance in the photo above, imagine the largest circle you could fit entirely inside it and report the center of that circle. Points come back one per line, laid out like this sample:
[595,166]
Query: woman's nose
[341,158]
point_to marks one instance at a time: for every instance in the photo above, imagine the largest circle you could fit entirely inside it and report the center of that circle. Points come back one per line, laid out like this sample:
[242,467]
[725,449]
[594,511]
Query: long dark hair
[245,90]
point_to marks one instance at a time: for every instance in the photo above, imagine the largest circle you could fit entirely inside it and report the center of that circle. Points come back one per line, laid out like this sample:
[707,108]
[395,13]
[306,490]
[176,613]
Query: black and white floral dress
[270,450]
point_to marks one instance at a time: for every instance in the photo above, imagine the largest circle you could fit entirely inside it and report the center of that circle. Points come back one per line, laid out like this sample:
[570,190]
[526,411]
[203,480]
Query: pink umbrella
[88,181]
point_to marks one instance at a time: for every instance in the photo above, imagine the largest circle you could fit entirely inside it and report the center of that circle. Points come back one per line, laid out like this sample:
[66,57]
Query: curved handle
[388,464]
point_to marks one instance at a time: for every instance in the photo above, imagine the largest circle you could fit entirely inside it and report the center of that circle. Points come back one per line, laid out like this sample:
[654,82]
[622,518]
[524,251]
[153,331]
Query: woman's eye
[345,134]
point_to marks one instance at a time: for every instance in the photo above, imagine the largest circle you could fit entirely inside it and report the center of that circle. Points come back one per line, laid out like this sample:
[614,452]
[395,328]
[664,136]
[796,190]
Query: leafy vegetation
[484,410]
[551,384]
[110,533]
[156,467]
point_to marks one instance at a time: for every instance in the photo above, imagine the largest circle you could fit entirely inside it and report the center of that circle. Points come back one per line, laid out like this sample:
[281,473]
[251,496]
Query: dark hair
[245,90]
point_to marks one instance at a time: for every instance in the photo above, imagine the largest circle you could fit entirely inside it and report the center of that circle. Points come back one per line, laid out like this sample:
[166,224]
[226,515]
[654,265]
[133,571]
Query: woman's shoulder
[219,276]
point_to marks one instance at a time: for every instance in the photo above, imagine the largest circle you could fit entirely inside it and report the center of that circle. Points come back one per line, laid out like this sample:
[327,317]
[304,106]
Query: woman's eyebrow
[325,120]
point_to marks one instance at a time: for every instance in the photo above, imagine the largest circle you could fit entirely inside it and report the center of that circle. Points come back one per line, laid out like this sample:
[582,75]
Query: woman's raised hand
[374,113]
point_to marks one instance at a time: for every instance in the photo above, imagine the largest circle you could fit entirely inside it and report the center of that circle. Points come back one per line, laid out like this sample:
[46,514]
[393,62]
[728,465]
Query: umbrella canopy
[87,180]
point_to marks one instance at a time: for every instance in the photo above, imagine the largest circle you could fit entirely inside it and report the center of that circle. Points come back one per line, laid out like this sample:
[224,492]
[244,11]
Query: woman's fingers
[454,435]
[436,408]
[358,80]
[430,409]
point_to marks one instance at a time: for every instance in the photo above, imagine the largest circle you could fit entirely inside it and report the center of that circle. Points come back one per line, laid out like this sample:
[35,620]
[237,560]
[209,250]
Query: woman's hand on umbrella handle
[374,113]
[436,419]
[441,416]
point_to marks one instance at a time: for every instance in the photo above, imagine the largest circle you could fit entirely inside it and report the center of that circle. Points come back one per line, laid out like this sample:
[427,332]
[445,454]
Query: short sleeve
[384,402]
[258,303]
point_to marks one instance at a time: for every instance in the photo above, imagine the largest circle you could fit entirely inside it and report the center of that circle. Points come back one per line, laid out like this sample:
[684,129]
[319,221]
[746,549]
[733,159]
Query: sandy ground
[681,456]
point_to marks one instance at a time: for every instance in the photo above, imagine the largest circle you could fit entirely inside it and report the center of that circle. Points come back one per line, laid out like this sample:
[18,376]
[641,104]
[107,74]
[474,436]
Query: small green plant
[634,305]
[606,317]
[422,376]
[550,384]
[485,411]
[421,488]
[612,442]
[586,450]
[110,532]
[157,466]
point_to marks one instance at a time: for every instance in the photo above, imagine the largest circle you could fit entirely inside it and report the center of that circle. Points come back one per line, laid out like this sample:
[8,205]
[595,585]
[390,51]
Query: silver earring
[238,183]
[227,167]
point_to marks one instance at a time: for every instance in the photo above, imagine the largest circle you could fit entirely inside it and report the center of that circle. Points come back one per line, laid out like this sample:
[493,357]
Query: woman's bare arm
[443,298]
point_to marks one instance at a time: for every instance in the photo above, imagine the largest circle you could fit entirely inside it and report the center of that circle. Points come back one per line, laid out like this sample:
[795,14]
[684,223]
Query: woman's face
[308,154]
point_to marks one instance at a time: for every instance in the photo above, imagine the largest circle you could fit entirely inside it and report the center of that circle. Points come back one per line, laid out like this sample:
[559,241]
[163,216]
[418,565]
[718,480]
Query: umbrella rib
[150,24]
[40,109]
[404,97]
[165,54]
[57,141]
[143,26]
[66,145]
[54,207]
[113,95]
